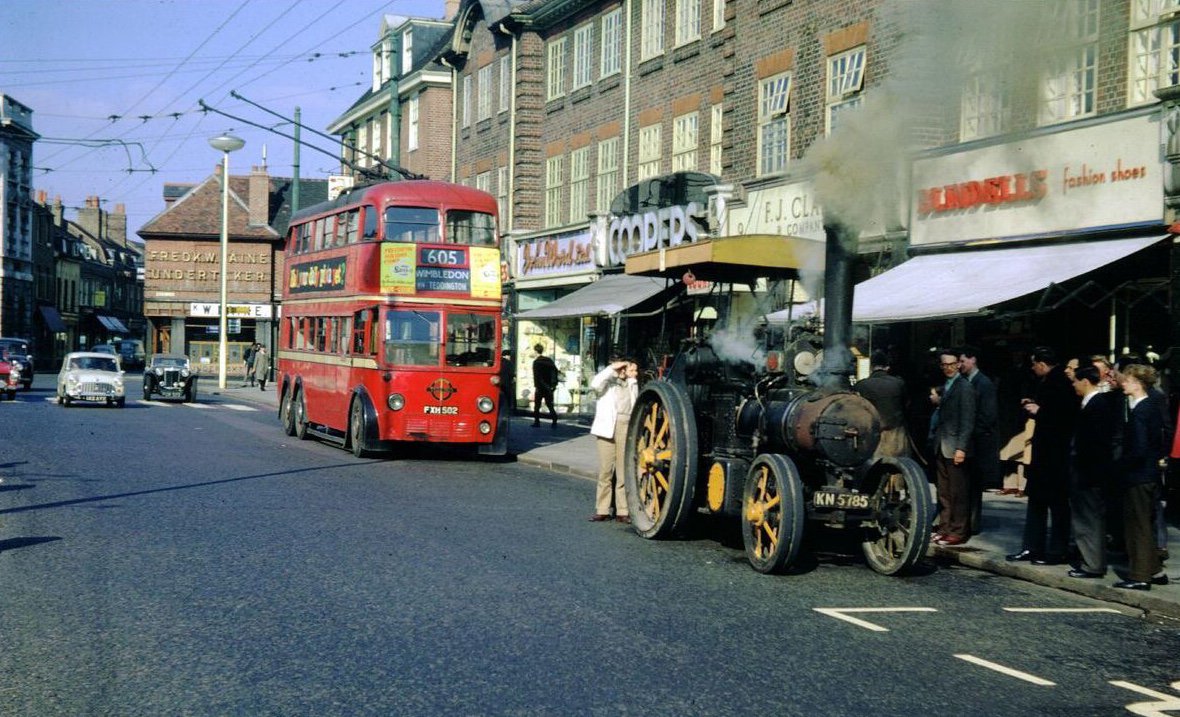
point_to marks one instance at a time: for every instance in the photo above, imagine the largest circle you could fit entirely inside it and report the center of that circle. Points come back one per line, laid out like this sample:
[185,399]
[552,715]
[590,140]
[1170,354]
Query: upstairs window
[466,101]
[484,103]
[612,43]
[407,51]
[417,225]
[986,108]
[555,77]
[774,124]
[583,57]
[1154,49]
[1068,89]
[505,83]
[716,135]
[608,172]
[684,143]
[845,81]
[652,24]
[579,184]
[412,124]
[688,21]
[554,168]
[649,151]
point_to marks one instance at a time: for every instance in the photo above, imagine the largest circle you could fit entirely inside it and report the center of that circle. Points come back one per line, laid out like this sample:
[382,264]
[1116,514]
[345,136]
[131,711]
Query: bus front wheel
[356,429]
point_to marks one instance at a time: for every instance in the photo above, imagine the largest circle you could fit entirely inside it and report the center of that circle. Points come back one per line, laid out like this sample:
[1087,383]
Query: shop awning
[608,296]
[113,324]
[965,283]
[53,319]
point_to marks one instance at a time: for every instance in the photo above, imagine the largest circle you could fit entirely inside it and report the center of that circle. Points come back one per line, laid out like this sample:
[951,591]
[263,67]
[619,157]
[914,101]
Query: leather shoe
[1079,573]
[1133,585]
[951,540]
[623,519]
[599,517]
[1161,579]
[1022,556]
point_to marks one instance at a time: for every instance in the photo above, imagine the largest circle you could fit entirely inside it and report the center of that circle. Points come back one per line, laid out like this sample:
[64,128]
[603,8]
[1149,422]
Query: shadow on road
[14,543]
[149,491]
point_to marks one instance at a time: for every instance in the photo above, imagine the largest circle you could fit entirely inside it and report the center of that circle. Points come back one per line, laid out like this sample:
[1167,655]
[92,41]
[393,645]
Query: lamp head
[227,143]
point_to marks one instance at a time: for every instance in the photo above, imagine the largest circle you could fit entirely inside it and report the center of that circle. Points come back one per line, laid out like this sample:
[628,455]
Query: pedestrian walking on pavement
[617,387]
[248,358]
[951,427]
[1097,440]
[544,384]
[1054,408]
[261,367]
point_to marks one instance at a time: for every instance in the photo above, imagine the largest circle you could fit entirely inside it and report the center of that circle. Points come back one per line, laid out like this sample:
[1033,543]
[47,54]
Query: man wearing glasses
[951,427]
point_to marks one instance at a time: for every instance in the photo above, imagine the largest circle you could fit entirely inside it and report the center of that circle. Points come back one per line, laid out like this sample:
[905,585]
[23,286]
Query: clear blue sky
[76,63]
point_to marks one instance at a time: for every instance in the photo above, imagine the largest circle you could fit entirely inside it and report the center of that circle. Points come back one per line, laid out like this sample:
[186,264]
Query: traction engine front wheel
[773,513]
[660,466]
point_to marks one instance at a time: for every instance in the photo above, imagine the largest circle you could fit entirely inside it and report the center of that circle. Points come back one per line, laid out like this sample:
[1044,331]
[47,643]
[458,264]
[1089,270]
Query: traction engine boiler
[776,445]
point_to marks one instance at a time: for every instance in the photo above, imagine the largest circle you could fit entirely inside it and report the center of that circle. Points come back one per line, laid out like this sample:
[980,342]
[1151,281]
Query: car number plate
[441,410]
[842,501]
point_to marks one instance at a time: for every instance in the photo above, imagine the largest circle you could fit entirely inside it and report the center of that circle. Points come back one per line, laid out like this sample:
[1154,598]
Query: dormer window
[407,51]
[377,67]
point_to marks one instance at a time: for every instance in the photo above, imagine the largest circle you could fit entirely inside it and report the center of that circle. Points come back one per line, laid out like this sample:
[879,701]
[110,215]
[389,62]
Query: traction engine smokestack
[837,363]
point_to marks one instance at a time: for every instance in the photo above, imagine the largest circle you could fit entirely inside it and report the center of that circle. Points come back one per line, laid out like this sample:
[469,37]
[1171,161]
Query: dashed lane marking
[1165,703]
[841,613]
[1006,670]
[238,407]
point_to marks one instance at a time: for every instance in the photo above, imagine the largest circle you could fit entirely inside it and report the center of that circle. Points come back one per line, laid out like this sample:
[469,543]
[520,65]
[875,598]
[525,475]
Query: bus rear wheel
[300,417]
[286,413]
[356,429]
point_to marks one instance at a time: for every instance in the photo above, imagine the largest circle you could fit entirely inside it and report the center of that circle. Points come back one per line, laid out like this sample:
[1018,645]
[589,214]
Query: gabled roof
[198,212]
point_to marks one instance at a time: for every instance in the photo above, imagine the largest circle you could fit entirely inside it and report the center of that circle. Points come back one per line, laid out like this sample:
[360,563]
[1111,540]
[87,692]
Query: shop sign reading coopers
[1105,176]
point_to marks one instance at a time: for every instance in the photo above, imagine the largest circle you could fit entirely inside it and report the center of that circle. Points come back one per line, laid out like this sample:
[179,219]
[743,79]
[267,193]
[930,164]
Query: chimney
[117,225]
[57,211]
[450,9]
[91,219]
[259,203]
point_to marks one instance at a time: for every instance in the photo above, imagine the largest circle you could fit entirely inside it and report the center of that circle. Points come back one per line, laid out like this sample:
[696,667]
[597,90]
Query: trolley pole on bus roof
[226,143]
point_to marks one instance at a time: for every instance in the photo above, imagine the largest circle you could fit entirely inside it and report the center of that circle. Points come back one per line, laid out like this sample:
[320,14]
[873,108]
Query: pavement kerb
[1054,577]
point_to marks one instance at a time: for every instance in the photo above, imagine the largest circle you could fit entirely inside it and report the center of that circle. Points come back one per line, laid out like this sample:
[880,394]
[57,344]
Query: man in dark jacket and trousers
[544,384]
[887,394]
[1054,409]
[951,427]
[1097,443]
[984,467]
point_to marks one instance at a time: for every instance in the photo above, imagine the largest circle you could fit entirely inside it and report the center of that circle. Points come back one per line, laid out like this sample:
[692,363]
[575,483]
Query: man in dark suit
[1097,440]
[1053,407]
[950,438]
[985,439]
[1139,469]
[887,394]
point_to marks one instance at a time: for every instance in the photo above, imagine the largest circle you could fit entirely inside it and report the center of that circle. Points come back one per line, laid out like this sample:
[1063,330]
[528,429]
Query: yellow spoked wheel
[898,534]
[773,513]
[660,466]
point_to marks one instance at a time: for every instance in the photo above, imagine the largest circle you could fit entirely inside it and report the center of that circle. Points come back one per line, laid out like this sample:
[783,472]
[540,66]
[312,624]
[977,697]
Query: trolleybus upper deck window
[412,337]
[471,228]
[418,225]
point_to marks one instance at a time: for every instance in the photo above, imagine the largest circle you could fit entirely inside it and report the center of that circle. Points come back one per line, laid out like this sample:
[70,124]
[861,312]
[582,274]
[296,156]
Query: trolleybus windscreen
[417,225]
[471,340]
[471,228]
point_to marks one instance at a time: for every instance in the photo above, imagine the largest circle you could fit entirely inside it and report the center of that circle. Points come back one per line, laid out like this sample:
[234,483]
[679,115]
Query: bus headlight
[485,404]
[485,427]
[396,401]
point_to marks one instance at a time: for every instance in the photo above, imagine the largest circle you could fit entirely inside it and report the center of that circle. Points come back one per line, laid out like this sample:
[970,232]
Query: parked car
[105,349]
[131,351]
[10,376]
[170,376]
[90,376]
[18,352]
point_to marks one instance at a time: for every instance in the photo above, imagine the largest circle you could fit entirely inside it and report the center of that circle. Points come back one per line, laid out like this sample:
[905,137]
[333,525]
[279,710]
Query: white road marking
[163,404]
[1006,670]
[197,405]
[237,407]
[1165,703]
[1063,609]
[841,613]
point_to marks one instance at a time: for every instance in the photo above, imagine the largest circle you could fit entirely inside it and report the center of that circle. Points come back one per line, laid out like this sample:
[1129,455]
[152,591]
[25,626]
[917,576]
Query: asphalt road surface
[166,559]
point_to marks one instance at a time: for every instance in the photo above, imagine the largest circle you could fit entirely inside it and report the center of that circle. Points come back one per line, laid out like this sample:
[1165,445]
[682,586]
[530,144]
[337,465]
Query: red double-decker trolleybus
[391,320]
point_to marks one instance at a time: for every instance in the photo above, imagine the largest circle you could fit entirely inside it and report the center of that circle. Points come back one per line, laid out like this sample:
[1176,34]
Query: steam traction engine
[777,445]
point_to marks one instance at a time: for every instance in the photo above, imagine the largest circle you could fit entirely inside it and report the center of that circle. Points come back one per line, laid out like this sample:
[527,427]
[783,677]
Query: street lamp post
[226,143]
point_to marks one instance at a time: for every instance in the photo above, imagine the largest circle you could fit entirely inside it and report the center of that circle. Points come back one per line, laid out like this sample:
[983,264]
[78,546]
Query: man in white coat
[617,388]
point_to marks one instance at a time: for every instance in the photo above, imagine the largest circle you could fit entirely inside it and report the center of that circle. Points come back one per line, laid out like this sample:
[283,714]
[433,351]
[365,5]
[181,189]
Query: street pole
[226,143]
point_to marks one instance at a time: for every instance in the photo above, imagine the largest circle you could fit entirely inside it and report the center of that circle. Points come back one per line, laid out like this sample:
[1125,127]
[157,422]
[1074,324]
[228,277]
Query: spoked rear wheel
[899,534]
[773,513]
[660,468]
